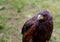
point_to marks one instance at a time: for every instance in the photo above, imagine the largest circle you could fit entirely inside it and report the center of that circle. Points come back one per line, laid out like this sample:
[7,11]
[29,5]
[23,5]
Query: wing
[26,26]
[50,30]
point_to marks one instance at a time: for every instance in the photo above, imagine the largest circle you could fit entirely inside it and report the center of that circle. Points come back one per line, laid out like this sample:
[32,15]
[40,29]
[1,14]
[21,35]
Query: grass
[17,12]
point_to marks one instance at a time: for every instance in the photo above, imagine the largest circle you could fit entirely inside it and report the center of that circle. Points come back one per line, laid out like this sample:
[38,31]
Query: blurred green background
[14,13]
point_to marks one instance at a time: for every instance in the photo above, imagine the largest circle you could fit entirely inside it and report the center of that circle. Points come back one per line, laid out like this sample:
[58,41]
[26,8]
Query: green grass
[17,12]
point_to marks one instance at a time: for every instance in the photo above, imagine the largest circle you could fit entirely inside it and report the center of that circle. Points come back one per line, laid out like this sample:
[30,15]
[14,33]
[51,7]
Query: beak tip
[40,17]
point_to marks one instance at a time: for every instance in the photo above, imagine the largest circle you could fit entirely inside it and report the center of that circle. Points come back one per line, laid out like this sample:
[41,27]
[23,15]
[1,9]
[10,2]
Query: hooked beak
[40,17]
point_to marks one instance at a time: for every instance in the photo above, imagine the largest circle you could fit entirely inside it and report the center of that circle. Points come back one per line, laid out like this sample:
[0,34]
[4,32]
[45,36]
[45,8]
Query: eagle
[39,28]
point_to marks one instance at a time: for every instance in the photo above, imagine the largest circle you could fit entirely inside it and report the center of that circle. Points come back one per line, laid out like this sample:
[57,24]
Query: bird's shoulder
[28,24]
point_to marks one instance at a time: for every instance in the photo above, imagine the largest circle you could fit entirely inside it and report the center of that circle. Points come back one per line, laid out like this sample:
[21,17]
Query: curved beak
[40,17]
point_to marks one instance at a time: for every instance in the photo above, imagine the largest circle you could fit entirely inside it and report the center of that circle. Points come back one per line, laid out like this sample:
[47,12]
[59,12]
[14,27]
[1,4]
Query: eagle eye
[45,15]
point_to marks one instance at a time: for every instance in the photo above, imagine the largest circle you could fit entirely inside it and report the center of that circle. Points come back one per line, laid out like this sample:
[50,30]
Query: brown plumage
[39,28]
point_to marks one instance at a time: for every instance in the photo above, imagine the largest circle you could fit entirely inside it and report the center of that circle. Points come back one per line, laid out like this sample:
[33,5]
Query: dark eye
[45,15]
